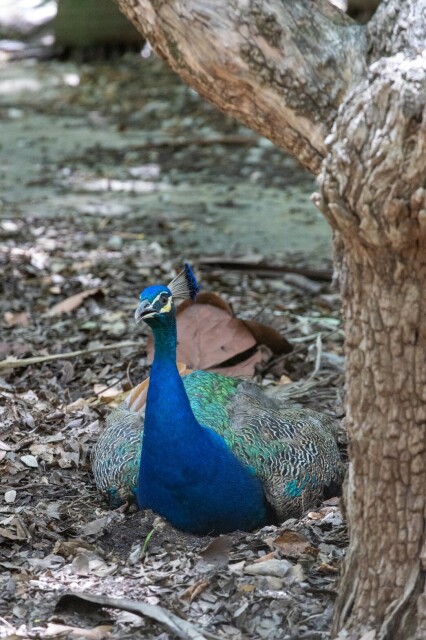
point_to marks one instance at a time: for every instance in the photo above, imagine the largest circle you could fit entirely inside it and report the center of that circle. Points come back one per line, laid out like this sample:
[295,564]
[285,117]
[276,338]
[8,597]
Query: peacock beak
[144,310]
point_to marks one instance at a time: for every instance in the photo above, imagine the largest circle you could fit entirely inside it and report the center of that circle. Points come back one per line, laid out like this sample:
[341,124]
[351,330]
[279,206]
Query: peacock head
[158,302]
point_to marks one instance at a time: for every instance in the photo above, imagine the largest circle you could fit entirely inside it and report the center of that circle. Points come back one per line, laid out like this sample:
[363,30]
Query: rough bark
[231,52]
[373,192]
[397,26]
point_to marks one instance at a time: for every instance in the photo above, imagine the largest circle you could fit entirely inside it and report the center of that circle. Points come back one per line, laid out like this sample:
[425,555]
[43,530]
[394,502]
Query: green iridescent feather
[292,450]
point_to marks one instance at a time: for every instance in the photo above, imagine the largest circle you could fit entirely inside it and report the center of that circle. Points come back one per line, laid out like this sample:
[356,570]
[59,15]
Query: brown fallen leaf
[217,552]
[69,548]
[106,393]
[268,336]
[71,303]
[195,590]
[291,543]
[19,319]
[267,556]
[13,528]
[327,569]
[241,369]
[211,337]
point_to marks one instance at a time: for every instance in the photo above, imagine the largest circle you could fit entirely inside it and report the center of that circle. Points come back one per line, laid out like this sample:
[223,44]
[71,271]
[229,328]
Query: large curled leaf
[211,337]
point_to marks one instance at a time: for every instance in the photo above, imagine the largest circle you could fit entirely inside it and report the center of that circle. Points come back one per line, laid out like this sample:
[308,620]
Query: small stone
[10,496]
[115,243]
[30,461]
[277,568]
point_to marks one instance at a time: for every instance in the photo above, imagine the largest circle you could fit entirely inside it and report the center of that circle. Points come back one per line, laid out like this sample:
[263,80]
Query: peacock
[211,453]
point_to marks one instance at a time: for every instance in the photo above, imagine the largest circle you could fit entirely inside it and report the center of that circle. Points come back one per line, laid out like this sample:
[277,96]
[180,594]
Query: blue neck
[165,338]
[166,393]
[188,474]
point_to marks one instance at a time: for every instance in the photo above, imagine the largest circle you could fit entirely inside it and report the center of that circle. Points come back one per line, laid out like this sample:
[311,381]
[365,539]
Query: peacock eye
[164,298]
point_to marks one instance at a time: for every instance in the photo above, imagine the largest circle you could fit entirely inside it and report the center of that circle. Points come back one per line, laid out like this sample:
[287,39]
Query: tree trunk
[349,102]
[373,194]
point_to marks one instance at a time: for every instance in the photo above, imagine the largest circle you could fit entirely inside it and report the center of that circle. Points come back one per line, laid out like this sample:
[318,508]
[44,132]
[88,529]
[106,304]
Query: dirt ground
[112,174]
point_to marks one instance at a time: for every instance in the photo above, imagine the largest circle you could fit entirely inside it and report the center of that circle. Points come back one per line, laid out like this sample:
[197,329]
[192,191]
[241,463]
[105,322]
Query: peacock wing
[116,455]
[293,450]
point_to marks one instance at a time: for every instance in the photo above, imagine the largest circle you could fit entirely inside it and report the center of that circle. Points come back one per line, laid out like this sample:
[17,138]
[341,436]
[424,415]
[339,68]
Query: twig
[318,344]
[129,380]
[181,628]
[176,143]
[24,362]
[6,623]
[31,485]
[263,269]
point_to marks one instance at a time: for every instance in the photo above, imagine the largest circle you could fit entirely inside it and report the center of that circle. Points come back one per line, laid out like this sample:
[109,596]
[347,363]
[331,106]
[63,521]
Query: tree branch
[281,67]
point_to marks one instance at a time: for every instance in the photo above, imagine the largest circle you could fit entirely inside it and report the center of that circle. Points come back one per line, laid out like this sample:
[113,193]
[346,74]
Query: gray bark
[349,103]
[373,193]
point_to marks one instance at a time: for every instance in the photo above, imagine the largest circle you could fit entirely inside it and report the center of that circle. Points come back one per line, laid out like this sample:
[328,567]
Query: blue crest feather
[185,284]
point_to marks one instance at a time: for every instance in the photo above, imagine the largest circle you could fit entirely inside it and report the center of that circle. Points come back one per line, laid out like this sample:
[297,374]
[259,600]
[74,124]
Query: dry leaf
[272,567]
[195,590]
[29,461]
[54,630]
[95,526]
[10,496]
[263,334]
[267,556]
[247,588]
[71,303]
[331,502]
[245,368]
[314,515]
[80,403]
[70,548]
[211,337]
[291,543]
[14,528]
[4,448]
[19,319]
[208,297]
[327,569]
[106,393]
[217,552]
